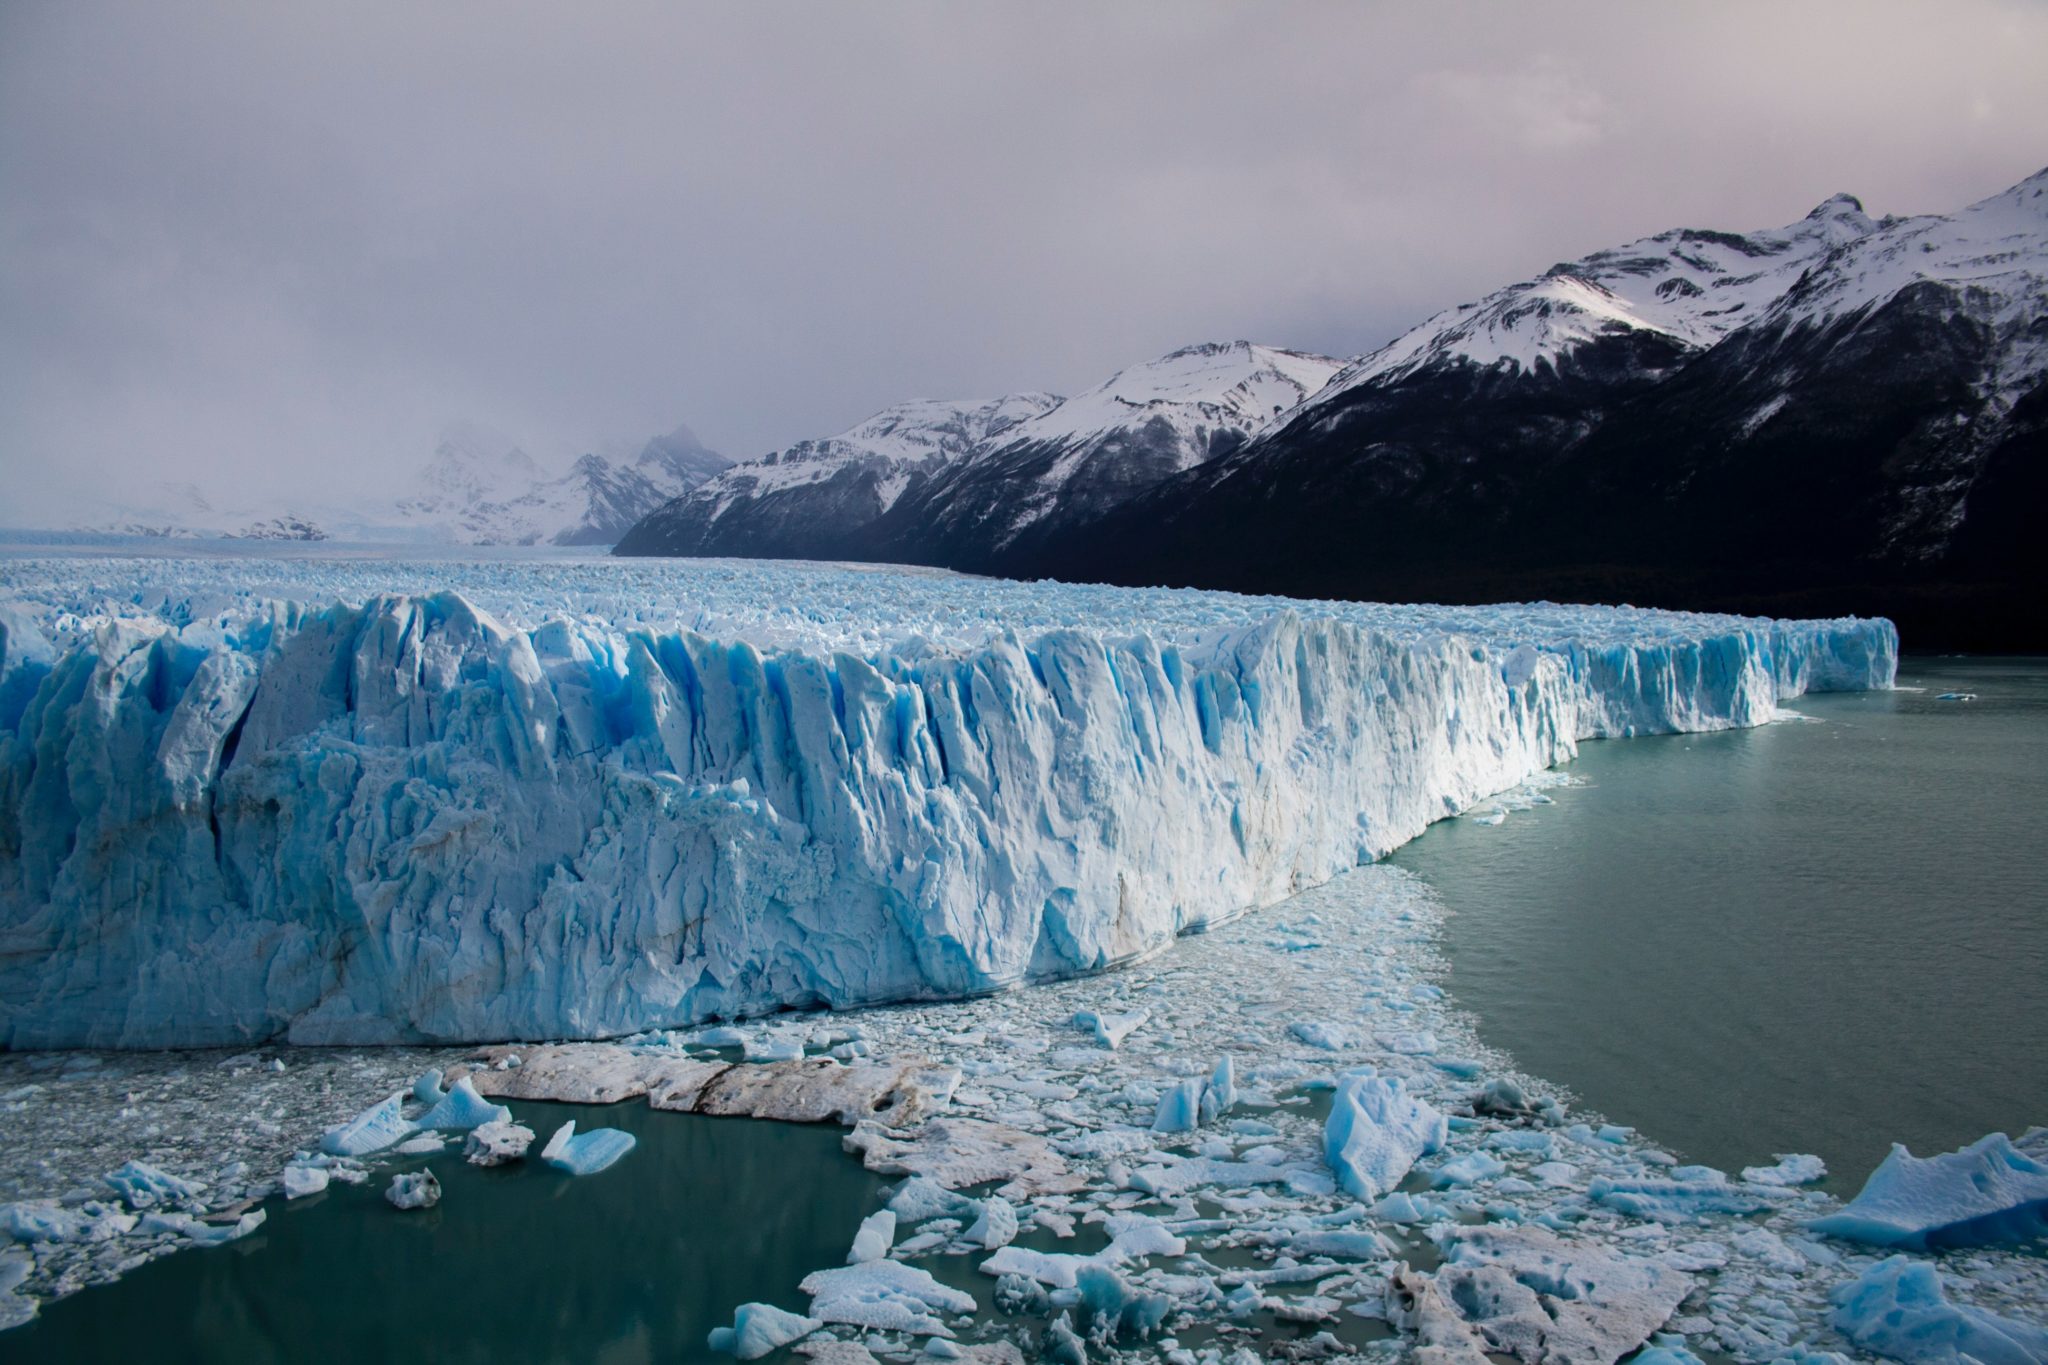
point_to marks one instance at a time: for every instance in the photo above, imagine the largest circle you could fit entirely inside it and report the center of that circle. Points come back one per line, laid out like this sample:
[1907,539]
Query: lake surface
[1820,936]
[517,1263]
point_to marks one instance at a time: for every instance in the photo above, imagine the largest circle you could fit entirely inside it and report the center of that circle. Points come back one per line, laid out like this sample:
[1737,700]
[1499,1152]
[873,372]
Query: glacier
[364,801]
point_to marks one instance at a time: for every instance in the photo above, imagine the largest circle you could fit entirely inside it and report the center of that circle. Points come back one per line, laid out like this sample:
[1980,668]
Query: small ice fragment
[1319,1033]
[206,1234]
[497,1142]
[1180,1108]
[1110,1029]
[871,1243]
[920,1199]
[997,1225]
[427,1089]
[585,1153]
[1956,696]
[758,1328]
[1219,1096]
[1469,1169]
[423,1145]
[301,1180]
[370,1131]
[414,1190]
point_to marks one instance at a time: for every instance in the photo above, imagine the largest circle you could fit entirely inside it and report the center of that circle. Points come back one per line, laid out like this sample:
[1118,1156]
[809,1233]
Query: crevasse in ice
[507,814]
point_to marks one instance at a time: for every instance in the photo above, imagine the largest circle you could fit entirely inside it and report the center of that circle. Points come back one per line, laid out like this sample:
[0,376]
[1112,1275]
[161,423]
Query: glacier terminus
[355,801]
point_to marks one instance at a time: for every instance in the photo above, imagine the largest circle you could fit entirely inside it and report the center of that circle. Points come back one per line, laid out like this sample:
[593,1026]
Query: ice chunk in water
[1321,1033]
[1219,1096]
[301,1180]
[1375,1133]
[585,1153]
[921,1198]
[871,1243]
[1180,1108]
[373,1130]
[997,1225]
[758,1328]
[1110,1029]
[1988,1192]
[1898,1309]
[462,1108]
[414,1190]
[1115,1310]
[497,1142]
[1790,1170]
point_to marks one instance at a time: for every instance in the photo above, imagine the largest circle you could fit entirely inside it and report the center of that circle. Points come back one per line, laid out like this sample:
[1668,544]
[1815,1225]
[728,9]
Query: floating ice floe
[758,1328]
[887,1296]
[299,1180]
[585,1153]
[1799,1169]
[1988,1192]
[381,1125]
[496,1142]
[200,1232]
[413,1190]
[1897,1309]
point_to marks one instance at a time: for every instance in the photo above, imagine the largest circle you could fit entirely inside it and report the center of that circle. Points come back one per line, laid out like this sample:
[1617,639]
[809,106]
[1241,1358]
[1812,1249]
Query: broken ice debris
[1376,1131]
[996,1226]
[414,1190]
[585,1153]
[887,1296]
[1897,1309]
[1319,1033]
[497,1142]
[758,1328]
[1989,1192]
[146,1187]
[373,1130]
[205,1234]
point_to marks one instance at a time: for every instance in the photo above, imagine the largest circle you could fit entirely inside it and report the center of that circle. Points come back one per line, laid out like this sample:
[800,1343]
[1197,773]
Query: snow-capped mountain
[1100,448]
[821,499]
[953,481]
[1845,414]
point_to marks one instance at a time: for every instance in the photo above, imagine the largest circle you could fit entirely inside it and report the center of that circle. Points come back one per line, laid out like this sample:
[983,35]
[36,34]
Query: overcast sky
[282,245]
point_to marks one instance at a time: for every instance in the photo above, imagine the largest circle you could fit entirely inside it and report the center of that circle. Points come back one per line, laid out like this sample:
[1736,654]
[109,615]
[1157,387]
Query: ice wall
[408,819]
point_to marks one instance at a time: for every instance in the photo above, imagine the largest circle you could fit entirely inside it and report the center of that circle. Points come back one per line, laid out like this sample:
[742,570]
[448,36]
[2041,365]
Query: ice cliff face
[514,814]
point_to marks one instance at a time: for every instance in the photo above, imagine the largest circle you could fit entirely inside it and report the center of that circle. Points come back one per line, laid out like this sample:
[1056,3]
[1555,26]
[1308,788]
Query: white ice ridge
[328,801]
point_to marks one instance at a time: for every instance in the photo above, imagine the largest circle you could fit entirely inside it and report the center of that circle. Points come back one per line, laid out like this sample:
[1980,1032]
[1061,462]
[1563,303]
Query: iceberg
[376,1128]
[758,1328]
[1897,1309]
[876,1234]
[496,1142]
[586,1153]
[462,1109]
[1988,1192]
[1377,1131]
[357,802]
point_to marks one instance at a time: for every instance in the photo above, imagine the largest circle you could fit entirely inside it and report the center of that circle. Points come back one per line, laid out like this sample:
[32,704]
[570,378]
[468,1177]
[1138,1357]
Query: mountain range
[478,488]
[1843,415]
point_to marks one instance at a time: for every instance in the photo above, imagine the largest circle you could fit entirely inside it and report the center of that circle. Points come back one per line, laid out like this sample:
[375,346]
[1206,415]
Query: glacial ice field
[354,801]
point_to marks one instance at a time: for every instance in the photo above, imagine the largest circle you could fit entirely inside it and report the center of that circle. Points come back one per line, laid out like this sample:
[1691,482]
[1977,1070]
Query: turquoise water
[518,1263]
[1820,936]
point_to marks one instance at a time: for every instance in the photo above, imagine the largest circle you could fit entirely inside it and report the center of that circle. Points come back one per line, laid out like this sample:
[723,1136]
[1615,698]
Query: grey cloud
[283,245]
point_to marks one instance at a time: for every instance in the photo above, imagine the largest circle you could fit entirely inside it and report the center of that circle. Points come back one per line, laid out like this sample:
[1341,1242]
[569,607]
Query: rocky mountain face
[972,482]
[1847,414]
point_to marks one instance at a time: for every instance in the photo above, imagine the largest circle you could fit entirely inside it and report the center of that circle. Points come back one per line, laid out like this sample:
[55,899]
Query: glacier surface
[358,801]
